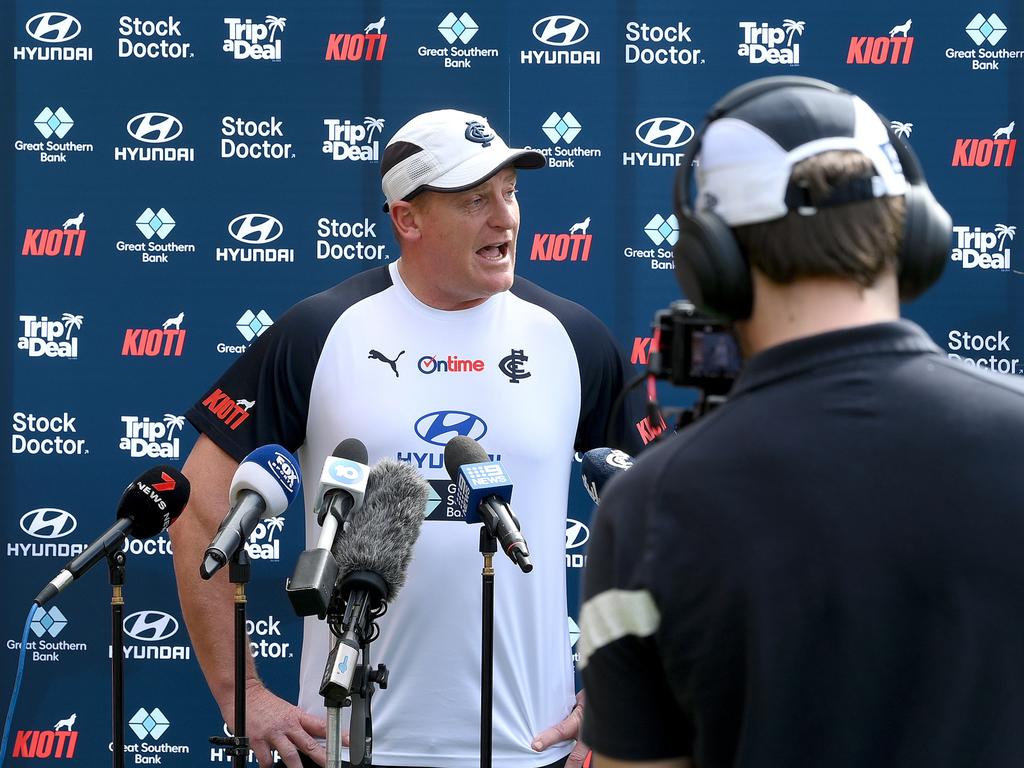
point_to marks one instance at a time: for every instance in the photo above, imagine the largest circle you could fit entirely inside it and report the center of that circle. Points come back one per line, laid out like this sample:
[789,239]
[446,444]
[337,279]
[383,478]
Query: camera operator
[826,569]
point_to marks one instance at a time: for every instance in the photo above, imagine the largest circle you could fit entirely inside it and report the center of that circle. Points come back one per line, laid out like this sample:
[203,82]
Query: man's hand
[272,723]
[566,730]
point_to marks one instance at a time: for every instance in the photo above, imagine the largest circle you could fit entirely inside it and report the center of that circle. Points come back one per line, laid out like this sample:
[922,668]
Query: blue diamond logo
[50,123]
[981,29]
[51,622]
[662,230]
[561,127]
[252,324]
[160,223]
[151,724]
[461,28]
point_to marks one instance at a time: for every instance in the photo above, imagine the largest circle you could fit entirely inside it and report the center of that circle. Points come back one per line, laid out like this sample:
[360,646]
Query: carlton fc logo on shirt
[438,427]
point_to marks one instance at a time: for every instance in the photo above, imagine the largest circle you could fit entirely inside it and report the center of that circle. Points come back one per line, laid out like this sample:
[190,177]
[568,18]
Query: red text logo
[641,350]
[356,47]
[879,50]
[984,152]
[53,242]
[551,247]
[153,342]
[43,744]
[232,412]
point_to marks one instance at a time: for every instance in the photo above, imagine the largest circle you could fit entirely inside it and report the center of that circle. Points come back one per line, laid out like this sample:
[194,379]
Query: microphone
[600,465]
[263,486]
[484,491]
[373,555]
[147,507]
[341,492]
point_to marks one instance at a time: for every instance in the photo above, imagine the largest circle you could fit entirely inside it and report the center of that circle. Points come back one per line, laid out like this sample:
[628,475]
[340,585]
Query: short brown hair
[856,241]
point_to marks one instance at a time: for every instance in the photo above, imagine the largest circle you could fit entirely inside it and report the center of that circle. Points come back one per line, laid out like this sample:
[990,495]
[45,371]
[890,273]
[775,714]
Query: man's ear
[405,220]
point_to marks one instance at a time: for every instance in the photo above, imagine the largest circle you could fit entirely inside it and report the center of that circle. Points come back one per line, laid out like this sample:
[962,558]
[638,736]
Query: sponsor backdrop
[181,173]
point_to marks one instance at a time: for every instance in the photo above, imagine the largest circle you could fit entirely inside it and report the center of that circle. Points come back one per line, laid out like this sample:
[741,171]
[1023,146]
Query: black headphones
[714,274]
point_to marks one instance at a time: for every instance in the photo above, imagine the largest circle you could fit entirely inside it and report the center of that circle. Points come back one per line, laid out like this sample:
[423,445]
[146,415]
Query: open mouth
[494,252]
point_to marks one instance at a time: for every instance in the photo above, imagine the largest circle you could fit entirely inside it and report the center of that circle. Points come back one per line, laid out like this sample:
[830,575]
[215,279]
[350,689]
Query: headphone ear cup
[710,268]
[927,233]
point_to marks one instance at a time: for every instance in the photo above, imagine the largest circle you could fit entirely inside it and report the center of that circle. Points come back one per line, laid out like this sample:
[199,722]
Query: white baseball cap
[447,151]
[746,158]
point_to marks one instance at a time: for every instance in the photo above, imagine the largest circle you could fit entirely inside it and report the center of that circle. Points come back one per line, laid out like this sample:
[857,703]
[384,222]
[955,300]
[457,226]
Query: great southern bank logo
[438,427]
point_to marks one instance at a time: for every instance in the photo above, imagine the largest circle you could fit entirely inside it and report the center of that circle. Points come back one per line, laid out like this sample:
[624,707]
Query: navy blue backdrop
[177,174]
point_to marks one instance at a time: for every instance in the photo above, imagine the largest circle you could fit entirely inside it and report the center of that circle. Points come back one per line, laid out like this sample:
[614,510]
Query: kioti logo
[59,742]
[574,246]
[69,240]
[166,341]
[226,408]
[997,151]
[641,350]
[368,46]
[894,49]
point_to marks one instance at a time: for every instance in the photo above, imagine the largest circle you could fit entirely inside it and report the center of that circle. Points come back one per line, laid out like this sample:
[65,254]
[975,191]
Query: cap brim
[483,166]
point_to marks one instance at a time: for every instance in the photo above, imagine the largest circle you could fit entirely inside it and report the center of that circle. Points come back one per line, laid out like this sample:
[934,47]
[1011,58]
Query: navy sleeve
[631,712]
[264,396]
[604,374]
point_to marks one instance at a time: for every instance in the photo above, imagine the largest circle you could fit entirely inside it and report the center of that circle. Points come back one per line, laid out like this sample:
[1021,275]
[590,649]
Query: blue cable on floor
[17,683]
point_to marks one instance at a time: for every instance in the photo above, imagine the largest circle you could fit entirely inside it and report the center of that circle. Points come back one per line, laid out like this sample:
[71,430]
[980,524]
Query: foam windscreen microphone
[483,492]
[373,555]
[340,495]
[147,507]
[263,486]
[599,466]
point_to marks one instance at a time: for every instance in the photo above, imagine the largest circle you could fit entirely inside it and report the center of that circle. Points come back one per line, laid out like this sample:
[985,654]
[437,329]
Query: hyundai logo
[48,523]
[576,534]
[439,427]
[53,27]
[664,132]
[151,626]
[255,228]
[561,30]
[155,127]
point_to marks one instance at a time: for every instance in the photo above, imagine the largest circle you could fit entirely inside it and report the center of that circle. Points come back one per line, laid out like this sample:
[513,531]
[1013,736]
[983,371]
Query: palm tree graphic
[903,130]
[275,23]
[71,321]
[173,422]
[373,124]
[792,26]
[274,524]
[1003,231]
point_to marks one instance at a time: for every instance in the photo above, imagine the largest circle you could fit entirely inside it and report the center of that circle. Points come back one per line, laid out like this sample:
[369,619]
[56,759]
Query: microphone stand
[488,546]
[238,745]
[115,564]
[356,619]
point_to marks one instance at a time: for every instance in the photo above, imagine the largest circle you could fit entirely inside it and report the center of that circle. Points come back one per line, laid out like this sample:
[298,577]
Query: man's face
[470,239]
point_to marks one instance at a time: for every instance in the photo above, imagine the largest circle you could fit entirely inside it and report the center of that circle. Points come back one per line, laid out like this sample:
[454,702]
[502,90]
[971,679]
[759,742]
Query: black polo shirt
[826,571]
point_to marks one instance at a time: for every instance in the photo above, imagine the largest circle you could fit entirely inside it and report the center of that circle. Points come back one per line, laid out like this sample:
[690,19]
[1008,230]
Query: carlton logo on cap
[479,132]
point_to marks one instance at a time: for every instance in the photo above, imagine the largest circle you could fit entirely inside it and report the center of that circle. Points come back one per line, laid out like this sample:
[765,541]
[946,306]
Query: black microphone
[600,465]
[342,487]
[484,492]
[147,507]
[373,555]
[263,486]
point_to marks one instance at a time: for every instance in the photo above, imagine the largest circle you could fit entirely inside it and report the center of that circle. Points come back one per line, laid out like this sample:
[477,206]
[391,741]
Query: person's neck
[423,287]
[811,306]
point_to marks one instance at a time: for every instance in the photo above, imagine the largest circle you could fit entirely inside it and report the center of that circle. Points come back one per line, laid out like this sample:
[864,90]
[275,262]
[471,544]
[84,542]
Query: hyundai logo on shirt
[439,427]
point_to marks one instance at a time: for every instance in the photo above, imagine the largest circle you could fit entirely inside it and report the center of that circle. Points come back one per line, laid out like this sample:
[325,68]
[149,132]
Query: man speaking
[826,570]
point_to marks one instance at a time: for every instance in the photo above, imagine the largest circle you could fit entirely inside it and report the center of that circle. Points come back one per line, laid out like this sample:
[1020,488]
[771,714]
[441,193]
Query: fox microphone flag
[263,486]
[483,491]
[341,492]
[147,507]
